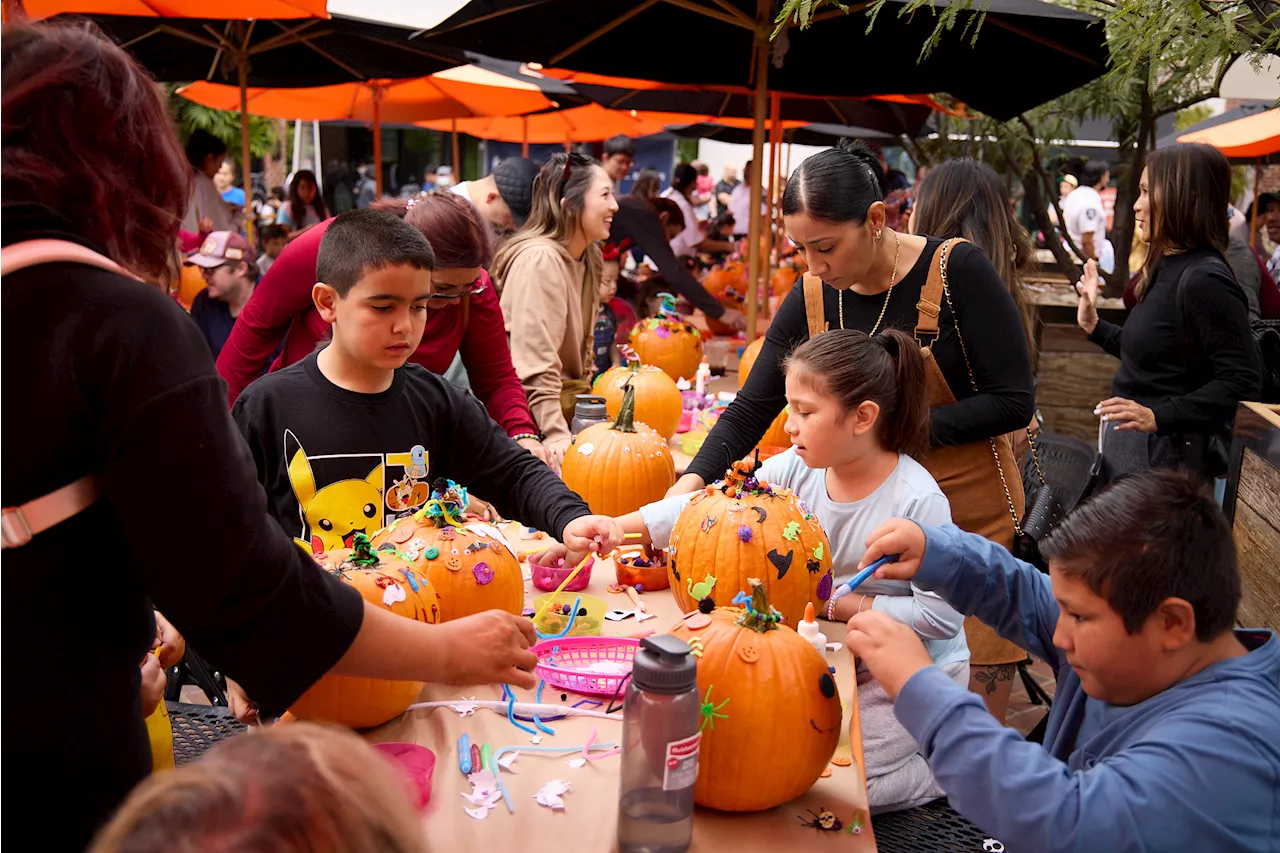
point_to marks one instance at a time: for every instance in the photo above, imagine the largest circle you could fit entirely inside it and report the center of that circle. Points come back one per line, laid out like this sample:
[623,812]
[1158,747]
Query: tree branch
[1068,266]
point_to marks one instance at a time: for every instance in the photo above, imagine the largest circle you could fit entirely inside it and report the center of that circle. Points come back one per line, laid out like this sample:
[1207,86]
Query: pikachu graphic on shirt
[339,510]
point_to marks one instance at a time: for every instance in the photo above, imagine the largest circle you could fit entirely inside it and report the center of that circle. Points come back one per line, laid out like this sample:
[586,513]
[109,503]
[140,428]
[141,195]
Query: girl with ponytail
[858,412]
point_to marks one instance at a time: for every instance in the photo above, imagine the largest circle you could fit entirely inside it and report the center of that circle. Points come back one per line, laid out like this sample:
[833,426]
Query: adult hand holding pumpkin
[598,533]
[900,536]
[892,651]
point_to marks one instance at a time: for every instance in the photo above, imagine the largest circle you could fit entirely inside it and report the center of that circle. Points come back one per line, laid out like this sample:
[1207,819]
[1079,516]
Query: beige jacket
[549,309]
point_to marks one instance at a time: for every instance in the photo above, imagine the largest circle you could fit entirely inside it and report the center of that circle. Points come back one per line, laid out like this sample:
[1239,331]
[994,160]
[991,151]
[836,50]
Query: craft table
[588,821]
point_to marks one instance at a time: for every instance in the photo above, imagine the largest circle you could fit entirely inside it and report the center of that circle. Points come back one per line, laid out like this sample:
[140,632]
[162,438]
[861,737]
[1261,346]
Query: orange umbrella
[1252,136]
[591,123]
[459,93]
[230,10]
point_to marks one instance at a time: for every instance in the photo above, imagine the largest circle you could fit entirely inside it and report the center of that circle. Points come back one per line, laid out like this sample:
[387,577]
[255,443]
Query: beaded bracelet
[521,436]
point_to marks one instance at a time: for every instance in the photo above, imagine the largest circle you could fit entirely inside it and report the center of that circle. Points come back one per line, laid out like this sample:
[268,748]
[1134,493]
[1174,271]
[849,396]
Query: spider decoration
[711,711]
[824,820]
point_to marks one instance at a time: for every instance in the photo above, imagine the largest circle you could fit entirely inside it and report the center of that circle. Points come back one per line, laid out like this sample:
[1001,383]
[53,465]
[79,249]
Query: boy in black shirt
[350,438]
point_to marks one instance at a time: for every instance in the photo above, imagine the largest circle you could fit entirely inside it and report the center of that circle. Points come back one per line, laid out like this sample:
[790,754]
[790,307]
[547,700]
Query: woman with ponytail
[950,299]
[857,414]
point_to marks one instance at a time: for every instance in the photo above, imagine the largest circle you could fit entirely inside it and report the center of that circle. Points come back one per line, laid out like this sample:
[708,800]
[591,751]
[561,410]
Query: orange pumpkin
[190,283]
[468,563]
[741,528]
[768,703]
[670,344]
[783,280]
[619,467]
[776,434]
[386,579]
[732,276]
[658,402]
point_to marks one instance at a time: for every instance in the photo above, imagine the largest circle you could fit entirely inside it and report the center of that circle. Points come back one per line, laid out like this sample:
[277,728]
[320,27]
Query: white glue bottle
[701,378]
[808,628]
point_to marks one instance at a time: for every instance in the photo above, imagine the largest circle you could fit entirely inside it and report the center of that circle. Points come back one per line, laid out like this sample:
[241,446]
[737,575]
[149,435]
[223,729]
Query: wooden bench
[1252,505]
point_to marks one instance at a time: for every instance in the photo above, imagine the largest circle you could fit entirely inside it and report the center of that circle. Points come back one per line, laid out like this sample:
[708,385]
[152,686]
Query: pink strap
[30,253]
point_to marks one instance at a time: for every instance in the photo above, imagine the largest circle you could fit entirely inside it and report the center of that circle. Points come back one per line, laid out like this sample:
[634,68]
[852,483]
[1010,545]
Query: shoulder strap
[30,253]
[814,310]
[931,295]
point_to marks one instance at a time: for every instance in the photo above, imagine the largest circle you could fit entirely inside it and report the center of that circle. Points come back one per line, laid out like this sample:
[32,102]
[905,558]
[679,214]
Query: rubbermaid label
[681,769]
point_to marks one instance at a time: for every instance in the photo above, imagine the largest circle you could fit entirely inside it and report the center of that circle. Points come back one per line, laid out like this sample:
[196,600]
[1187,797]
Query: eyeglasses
[475,288]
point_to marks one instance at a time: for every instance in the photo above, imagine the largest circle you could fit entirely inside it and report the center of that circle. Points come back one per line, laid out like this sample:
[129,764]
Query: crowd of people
[905,359]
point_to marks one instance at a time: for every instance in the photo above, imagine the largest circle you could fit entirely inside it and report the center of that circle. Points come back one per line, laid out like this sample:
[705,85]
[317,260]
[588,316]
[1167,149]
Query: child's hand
[240,705]
[550,556]
[555,451]
[899,536]
[892,651]
[488,648]
[169,641]
[598,533]
[153,682]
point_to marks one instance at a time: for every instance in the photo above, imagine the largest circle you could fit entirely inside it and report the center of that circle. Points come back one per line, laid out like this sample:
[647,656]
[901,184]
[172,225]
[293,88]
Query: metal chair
[193,669]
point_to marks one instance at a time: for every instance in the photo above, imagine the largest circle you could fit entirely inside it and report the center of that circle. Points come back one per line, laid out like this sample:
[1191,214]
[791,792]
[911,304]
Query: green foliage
[1191,115]
[223,124]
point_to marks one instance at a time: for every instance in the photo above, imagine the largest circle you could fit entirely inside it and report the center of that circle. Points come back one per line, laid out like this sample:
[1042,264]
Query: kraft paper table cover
[589,820]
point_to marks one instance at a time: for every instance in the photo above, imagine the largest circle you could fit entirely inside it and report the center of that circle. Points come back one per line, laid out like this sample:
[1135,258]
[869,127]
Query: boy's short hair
[619,145]
[267,233]
[1147,537]
[360,241]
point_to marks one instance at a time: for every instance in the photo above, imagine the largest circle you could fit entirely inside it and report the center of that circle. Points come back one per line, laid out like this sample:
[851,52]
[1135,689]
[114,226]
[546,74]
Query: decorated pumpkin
[770,710]
[732,276]
[387,579]
[621,466]
[776,434]
[468,562]
[669,343]
[742,528]
[658,402]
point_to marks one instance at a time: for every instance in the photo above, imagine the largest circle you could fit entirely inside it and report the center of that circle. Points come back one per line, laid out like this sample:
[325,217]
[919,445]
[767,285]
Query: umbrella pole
[1253,218]
[457,160]
[775,134]
[757,164]
[524,138]
[377,140]
[246,175]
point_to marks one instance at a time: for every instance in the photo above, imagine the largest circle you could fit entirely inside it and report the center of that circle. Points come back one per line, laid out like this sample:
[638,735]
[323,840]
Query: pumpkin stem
[626,420]
[631,357]
[448,503]
[759,615]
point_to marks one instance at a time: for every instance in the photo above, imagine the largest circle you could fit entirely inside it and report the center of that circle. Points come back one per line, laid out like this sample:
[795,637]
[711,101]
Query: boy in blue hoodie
[1165,728]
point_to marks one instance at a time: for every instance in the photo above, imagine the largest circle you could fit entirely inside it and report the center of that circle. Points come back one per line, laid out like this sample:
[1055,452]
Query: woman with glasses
[550,272]
[463,317]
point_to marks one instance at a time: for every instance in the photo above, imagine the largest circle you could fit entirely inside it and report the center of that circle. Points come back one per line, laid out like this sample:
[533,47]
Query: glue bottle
[701,378]
[660,740]
[808,628]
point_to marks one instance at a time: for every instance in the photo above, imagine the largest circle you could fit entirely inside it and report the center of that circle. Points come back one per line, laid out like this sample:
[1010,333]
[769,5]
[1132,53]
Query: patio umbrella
[1255,137]
[590,123]
[272,54]
[459,93]
[223,9]
[1064,48]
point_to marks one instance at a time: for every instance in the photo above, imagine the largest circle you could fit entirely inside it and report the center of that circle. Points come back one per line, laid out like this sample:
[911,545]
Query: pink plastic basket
[564,663]
[417,764]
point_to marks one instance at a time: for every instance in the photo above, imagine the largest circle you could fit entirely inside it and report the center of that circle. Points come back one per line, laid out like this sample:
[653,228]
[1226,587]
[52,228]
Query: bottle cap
[663,664]
[590,407]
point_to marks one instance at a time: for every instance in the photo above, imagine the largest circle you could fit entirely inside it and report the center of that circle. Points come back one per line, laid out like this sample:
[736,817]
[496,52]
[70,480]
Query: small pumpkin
[742,528]
[619,467]
[776,434]
[386,579]
[770,710]
[731,276]
[783,280]
[468,563]
[669,343]
[658,401]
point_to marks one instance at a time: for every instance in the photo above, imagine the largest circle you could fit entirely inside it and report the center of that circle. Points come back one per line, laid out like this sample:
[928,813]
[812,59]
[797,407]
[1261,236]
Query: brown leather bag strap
[931,295]
[814,310]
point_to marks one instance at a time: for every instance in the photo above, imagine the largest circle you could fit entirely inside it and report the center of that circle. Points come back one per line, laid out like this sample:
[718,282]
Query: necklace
[893,279]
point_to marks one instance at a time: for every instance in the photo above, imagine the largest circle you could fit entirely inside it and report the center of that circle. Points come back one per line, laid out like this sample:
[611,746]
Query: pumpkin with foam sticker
[770,710]
[468,561]
[741,528]
[387,580]
[669,343]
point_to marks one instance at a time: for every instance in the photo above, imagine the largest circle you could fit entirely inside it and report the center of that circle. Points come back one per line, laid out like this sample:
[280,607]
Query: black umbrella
[810,134]
[310,52]
[1026,53]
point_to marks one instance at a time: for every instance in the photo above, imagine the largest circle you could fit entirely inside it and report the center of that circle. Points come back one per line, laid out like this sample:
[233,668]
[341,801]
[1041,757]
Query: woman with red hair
[124,472]
[463,316]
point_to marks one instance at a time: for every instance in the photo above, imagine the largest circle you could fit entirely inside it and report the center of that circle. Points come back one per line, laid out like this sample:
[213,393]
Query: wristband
[521,436]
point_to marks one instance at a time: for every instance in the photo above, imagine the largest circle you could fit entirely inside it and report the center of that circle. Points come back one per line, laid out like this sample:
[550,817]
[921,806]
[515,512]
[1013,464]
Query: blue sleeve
[1189,782]
[979,578]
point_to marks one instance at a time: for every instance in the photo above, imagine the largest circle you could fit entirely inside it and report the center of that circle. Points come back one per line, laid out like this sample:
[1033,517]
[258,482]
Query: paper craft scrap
[507,760]
[535,740]
[392,594]
[466,707]
[577,763]
[484,794]
[550,795]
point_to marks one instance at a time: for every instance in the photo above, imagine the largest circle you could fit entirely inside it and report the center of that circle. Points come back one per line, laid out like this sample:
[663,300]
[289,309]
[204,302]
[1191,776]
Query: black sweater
[993,335]
[635,220]
[1191,383]
[356,462]
[107,376]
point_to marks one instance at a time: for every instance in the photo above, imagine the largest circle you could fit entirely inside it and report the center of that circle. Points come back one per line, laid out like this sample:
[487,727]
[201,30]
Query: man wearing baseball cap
[503,197]
[226,261]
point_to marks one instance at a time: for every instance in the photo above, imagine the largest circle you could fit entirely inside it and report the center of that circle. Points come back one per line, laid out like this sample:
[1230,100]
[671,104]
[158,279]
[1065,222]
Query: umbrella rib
[854,8]
[411,49]
[481,18]
[835,109]
[698,9]
[306,40]
[1013,28]
[289,36]
[736,12]
[724,104]
[609,27]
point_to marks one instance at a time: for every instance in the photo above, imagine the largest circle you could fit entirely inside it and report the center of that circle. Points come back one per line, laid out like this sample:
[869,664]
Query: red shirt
[281,304]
